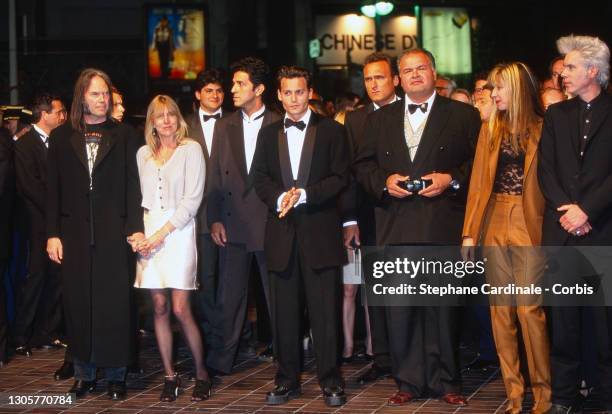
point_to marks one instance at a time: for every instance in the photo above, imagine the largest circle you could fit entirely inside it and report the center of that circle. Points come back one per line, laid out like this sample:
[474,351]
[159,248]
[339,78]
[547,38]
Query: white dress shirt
[295,143]
[250,126]
[377,107]
[43,135]
[208,127]
[418,117]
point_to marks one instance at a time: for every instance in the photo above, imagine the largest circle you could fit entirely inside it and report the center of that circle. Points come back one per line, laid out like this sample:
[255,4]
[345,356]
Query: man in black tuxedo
[38,311]
[236,215]
[209,93]
[7,195]
[575,173]
[92,207]
[430,137]
[299,171]
[380,79]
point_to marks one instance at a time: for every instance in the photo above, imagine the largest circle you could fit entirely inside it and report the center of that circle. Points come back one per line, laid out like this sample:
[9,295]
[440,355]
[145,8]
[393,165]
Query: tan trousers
[515,262]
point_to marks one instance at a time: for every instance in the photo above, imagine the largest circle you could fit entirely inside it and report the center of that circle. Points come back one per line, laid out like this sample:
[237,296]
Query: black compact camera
[414,186]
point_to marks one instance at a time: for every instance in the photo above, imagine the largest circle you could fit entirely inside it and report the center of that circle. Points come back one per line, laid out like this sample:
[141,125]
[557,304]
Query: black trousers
[208,257]
[378,327]
[567,331]
[319,290]
[424,348]
[231,302]
[38,313]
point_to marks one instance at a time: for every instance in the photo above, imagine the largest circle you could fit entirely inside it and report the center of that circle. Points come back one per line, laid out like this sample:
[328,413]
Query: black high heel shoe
[202,390]
[171,388]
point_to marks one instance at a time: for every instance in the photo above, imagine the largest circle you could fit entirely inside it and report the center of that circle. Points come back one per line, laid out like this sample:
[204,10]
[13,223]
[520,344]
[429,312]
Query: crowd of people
[189,208]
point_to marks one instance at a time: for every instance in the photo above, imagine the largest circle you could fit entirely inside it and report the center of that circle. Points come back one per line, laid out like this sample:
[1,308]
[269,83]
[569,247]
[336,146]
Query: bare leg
[348,318]
[163,331]
[182,310]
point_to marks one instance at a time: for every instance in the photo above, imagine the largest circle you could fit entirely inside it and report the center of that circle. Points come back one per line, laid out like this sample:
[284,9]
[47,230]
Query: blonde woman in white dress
[172,171]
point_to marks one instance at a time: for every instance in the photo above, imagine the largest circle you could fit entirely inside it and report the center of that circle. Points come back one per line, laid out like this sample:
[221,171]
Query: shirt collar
[254,116]
[202,112]
[377,107]
[40,131]
[429,101]
[594,102]
[304,118]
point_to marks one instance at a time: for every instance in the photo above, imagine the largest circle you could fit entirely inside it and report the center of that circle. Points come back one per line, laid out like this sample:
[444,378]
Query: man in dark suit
[7,195]
[92,208]
[575,173]
[380,79]
[426,137]
[236,215]
[300,169]
[209,93]
[38,310]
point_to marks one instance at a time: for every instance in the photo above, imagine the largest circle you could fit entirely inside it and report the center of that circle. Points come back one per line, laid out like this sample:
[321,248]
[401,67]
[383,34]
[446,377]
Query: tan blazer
[481,186]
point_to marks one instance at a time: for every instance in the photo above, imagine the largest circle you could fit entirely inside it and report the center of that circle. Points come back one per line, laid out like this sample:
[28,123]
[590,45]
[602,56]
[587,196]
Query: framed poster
[175,41]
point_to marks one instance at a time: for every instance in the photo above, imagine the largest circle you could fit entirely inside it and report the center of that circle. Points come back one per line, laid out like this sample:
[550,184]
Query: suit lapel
[396,133]
[532,149]
[283,157]
[435,123]
[78,145]
[236,141]
[106,144]
[198,134]
[493,148]
[307,150]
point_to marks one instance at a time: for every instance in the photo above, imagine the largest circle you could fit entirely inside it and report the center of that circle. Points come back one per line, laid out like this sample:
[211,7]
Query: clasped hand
[289,200]
[145,246]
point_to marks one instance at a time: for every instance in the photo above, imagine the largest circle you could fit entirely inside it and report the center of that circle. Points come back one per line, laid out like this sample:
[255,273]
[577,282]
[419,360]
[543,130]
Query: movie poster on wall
[175,39]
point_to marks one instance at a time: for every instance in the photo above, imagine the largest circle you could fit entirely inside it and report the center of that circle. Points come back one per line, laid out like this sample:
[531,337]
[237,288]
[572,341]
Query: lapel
[107,143]
[198,134]
[532,149]
[283,157]
[436,121]
[307,150]
[493,154]
[78,145]
[396,133]
[598,118]
[236,141]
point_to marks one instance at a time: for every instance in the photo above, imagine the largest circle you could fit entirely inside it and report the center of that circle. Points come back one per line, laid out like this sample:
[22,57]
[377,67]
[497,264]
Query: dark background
[58,38]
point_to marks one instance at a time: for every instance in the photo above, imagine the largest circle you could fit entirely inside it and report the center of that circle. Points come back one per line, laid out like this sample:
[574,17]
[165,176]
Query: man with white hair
[575,173]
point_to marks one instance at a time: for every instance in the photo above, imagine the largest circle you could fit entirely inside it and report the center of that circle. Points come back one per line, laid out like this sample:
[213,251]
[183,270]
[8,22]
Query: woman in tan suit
[504,214]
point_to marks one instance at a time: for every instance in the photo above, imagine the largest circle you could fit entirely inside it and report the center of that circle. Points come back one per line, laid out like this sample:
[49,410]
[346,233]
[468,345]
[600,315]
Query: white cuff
[349,223]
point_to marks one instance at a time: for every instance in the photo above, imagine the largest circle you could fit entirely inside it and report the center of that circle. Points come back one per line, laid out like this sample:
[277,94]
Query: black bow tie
[207,117]
[298,124]
[413,107]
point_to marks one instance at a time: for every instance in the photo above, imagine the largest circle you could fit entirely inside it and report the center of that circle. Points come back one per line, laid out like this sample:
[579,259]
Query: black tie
[298,124]
[413,107]
[207,117]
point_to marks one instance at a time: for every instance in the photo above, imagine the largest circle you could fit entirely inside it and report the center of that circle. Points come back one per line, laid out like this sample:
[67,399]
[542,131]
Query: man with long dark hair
[93,205]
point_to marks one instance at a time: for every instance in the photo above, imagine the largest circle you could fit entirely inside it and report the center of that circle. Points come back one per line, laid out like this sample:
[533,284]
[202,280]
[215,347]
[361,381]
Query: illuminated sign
[446,34]
[352,36]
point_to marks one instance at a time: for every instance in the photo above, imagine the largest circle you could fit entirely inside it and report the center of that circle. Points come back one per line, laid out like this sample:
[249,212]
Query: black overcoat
[93,226]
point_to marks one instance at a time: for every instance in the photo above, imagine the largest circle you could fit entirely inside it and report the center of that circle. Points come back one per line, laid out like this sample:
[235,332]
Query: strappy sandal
[171,388]
[202,390]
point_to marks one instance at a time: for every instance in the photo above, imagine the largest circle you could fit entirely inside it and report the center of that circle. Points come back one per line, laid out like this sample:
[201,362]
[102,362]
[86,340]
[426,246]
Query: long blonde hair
[157,105]
[521,119]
